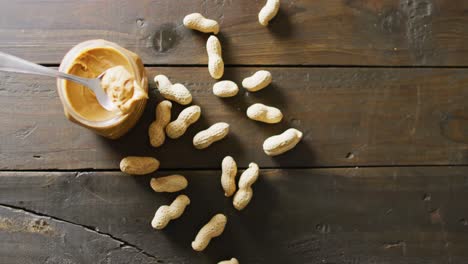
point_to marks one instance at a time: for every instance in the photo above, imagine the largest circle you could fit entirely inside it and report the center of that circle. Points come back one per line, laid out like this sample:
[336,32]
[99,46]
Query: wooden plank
[350,117]
[28,238]
[362,215]
[321,32]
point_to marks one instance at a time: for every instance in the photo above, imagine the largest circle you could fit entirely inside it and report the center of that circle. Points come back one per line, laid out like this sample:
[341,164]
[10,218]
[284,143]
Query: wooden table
[379,88]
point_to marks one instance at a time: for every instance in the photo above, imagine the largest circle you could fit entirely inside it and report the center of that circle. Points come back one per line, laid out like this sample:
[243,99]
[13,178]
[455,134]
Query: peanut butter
[122,88]
[124,82]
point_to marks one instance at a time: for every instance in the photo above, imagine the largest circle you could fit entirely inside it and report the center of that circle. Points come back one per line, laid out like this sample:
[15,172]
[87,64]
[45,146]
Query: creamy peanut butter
[122,88]
[124,82]
[117,82]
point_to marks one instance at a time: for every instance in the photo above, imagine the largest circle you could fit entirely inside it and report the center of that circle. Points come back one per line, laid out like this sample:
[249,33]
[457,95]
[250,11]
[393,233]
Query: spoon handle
[10,63]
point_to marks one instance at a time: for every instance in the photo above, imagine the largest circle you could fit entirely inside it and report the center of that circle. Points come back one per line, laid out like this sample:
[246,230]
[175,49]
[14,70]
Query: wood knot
[165,38]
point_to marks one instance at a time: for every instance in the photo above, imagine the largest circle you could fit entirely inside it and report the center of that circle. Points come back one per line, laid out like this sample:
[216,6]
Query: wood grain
[362,215]
[29,238]
[350,117]
[305,32]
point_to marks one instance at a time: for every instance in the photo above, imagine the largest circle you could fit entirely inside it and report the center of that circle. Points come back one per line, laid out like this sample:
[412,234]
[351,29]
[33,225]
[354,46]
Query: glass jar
[89,59]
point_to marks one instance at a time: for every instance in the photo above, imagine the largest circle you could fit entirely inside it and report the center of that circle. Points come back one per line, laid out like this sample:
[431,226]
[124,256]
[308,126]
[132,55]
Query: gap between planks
[245,167]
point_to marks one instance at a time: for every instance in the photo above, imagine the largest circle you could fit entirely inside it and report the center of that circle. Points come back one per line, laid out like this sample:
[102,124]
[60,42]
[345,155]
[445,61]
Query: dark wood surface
[305,32]
[379,89]
[29,238]
[349,215]
[350,117]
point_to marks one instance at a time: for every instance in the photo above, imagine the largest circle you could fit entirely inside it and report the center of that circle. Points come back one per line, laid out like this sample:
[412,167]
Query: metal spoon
[10,63]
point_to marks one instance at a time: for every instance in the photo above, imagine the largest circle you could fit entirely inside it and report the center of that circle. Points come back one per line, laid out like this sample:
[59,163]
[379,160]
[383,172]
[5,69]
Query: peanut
[228,176]
[139,165]
[281,143]
[171,183]
[187,117]
[215,60]
[166,213]
[257,81]
[205,138]
[264,113]
[174,92]
[213,228]
[225,89]
[198,22]
[269,10]
[231,261]
[245,192]
[156,129]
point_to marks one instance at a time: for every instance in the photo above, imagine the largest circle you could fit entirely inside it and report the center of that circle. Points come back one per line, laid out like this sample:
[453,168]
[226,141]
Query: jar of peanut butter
[125,82]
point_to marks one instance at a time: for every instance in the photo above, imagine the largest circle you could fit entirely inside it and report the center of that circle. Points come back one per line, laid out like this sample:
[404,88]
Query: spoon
[10,63]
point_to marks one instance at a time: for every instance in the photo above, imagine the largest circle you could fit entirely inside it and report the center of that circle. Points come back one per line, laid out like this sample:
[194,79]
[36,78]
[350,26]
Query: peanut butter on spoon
[122,88]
